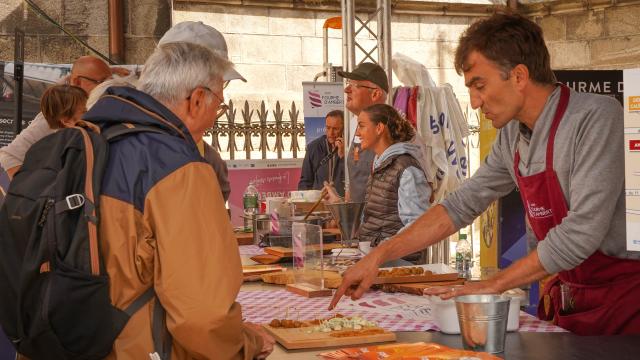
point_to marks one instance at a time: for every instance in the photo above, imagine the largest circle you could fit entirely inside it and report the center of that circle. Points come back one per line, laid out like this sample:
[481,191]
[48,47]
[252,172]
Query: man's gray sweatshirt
[589,161]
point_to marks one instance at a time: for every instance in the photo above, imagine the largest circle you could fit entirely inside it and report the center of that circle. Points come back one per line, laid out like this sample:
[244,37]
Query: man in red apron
[564,152]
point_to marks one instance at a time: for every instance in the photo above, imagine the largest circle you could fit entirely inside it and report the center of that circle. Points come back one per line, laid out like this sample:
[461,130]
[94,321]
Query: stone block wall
[278,49]
[594,39]
[145,21]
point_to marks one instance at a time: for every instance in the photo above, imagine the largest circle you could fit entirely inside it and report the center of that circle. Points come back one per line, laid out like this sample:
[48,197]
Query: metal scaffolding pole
[384,52]
[382,14]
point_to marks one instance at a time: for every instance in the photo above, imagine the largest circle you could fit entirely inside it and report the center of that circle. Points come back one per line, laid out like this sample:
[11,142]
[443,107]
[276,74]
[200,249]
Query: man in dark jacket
[324,160]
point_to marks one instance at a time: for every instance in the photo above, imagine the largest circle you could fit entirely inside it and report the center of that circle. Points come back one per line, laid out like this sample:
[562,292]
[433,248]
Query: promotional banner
[272,178]
[603,82]
[320,98]
[632,156]
[37,77]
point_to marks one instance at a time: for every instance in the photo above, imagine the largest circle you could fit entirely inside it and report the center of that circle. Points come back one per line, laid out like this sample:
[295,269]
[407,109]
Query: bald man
[86,72]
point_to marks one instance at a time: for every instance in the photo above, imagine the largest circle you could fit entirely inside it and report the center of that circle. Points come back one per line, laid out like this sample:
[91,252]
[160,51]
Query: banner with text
[603,82]
[272,178]
[319,98]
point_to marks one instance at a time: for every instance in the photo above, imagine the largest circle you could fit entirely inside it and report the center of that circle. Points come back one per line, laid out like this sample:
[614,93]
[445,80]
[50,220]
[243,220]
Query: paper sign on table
[416,351]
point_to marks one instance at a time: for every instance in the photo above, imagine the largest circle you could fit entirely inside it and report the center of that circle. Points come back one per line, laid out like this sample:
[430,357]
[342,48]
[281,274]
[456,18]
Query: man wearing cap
[86,72]
[367,84]
[198,33]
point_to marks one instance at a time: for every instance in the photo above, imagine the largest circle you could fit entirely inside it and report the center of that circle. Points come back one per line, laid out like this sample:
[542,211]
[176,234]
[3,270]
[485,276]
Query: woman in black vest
[397,190]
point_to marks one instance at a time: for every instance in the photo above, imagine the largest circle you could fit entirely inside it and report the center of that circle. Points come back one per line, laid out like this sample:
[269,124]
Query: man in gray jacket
[564,151]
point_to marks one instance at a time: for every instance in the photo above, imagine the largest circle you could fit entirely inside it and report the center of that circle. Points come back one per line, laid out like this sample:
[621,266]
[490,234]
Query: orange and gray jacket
[163,224]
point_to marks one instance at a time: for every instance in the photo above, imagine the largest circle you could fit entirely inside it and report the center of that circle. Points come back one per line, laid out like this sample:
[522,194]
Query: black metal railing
[254,130]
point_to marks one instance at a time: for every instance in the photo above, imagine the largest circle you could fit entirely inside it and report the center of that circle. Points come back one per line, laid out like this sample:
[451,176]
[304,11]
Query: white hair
[175,69]
[98,91]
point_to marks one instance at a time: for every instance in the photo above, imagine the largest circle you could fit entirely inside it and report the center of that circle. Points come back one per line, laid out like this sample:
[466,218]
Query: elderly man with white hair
[157,204]
[202,34]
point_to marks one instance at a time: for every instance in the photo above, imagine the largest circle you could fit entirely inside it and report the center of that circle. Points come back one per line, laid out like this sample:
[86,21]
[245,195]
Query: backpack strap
[140,301]
[71,202]
[74,201]
[88,196]
[118,130]
[162,340]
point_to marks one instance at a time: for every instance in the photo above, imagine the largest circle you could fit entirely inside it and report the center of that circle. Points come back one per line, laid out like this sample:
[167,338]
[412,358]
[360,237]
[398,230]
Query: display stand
[308,265]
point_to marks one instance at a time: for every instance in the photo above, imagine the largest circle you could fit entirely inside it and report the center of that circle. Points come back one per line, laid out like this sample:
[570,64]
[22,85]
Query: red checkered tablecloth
[263,306]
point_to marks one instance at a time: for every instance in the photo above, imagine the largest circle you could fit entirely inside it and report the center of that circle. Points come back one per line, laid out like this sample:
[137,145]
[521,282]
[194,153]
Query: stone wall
[145,21]
[278,49]
[594,39]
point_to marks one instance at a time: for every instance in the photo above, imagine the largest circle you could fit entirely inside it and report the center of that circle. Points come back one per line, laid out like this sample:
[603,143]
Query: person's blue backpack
[55,300]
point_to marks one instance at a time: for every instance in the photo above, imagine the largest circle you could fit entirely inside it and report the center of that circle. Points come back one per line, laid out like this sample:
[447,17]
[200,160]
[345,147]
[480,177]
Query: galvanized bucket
[483,321]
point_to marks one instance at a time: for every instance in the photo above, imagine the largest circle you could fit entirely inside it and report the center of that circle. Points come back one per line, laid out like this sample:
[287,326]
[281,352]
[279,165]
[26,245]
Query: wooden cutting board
[298,338]
[266,259]
[415,278]
[288,252]
[244,238]
[418,289]
[260,269]
[279,251]
[254,272]
[332,280]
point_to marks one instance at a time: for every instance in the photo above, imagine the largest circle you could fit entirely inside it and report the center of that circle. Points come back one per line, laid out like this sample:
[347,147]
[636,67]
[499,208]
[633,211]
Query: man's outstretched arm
[430,228]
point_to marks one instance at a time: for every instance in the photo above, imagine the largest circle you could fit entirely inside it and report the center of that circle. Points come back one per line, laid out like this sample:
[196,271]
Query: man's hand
[357,279]
[331,194]
[476,287]
[340,144]
[267,340]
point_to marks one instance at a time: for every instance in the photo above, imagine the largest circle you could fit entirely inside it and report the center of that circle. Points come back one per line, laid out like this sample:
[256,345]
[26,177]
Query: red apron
[605,291]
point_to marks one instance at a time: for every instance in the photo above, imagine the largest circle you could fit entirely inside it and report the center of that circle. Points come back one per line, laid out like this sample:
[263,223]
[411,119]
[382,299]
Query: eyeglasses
[222,107]
[356,85]
[97,82]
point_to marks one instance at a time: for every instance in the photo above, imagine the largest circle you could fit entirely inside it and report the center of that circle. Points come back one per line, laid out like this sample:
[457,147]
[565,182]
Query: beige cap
[204,35]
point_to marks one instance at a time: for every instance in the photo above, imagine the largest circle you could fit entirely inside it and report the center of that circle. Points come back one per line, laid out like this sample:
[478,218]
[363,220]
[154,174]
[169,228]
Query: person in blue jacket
[324,160]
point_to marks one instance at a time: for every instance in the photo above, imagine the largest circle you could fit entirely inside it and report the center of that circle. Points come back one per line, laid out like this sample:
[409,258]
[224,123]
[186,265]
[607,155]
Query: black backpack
[55,300]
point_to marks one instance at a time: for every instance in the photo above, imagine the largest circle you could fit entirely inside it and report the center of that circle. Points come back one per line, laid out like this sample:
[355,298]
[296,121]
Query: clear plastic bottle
[250,205]
[463,257]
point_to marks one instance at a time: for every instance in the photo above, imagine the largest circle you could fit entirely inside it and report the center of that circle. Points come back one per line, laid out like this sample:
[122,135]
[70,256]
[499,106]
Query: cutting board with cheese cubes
[310,335]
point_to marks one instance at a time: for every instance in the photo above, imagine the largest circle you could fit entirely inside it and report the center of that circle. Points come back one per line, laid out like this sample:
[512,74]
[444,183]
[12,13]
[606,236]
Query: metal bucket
[261,226]
[483,321]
